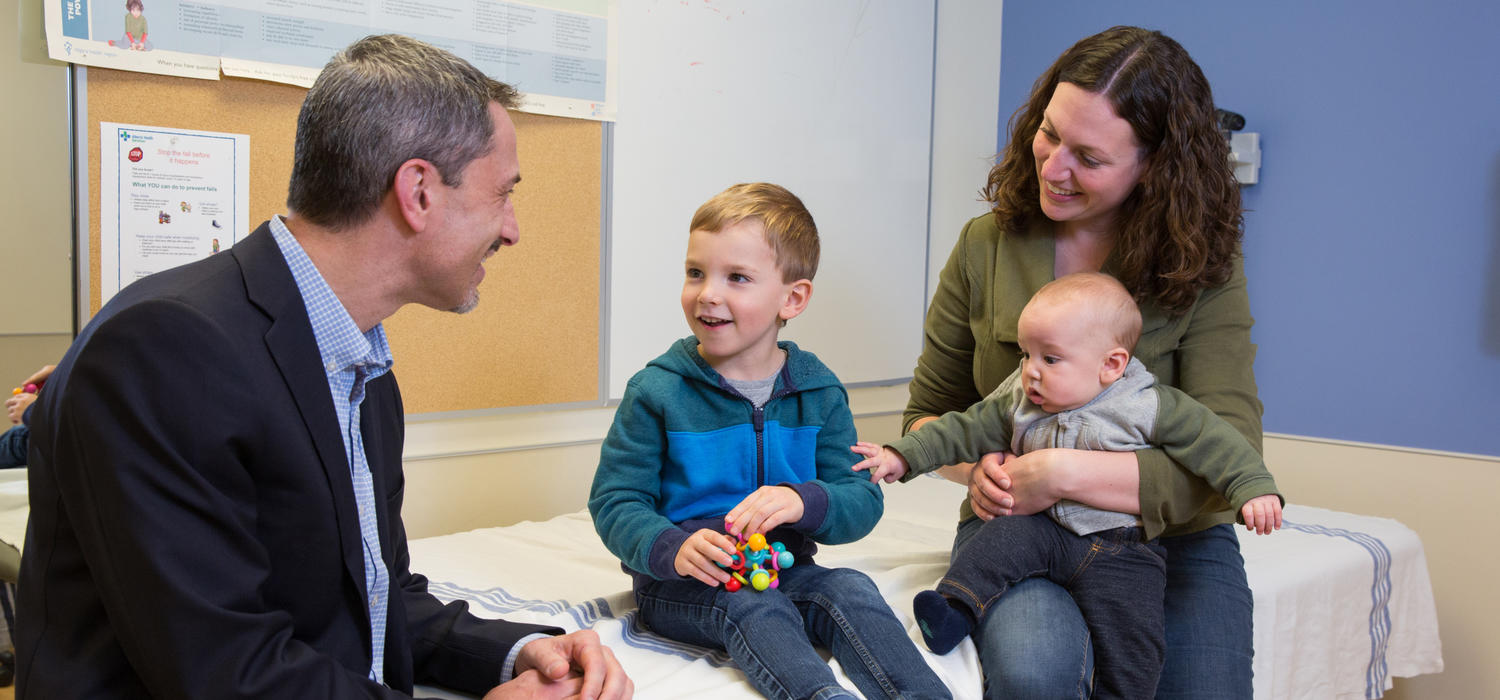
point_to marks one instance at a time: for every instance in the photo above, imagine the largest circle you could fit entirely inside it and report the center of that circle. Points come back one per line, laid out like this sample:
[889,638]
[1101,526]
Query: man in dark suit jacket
[216,483]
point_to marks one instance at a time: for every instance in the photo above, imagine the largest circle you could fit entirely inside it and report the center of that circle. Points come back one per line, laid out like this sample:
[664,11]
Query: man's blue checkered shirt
[350,359]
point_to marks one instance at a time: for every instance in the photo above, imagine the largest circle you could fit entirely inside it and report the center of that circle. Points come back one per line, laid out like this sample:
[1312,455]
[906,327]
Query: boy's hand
[15,406]
[1262,514]
[883,463]
[765,509]
[40,376]
[697,555]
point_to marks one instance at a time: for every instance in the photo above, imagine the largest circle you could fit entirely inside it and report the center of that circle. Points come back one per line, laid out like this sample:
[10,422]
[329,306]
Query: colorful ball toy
[756,563]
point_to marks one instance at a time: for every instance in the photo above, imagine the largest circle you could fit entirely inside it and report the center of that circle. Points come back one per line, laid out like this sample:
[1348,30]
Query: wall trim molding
[429,438]
[477,433]
[1388,448]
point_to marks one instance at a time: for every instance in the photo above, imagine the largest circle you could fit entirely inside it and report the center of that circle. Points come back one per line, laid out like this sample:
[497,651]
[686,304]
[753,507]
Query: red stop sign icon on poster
[135,155]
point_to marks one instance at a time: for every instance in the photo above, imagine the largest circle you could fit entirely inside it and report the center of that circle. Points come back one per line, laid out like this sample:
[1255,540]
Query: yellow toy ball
[760,580]
[757,542]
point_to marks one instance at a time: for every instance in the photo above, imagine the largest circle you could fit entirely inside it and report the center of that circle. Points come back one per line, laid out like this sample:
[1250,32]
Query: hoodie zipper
[758,419]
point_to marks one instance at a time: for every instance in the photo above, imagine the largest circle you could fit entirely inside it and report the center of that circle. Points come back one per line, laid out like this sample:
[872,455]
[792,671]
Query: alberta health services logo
[136,154]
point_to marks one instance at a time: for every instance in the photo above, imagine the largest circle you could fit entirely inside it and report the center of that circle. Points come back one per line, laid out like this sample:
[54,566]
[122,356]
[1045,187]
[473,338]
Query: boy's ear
[415,191]
[796,299]
[1114,365]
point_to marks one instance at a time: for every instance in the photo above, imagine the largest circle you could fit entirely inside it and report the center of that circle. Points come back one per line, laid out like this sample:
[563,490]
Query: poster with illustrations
[559,53]
[167,197]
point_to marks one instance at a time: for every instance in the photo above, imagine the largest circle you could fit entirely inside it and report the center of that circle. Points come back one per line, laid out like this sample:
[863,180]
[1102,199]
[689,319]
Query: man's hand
[571,665]
[883,463]
[531,684]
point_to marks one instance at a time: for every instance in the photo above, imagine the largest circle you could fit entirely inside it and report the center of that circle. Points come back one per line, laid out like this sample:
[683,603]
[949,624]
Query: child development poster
[559,53]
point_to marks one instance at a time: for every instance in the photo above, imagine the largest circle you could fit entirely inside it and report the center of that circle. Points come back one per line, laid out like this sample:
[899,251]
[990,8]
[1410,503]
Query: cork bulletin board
[534,338]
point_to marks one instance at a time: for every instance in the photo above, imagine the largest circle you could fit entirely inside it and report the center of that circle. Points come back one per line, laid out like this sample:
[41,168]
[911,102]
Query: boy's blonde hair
[1109,306]
[790,230]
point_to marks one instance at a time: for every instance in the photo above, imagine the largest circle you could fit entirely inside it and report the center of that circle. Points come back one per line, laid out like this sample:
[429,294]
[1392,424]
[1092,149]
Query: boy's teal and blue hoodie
[685,448]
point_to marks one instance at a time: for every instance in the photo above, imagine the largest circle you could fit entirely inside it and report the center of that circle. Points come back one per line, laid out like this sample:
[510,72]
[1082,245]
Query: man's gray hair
[378,103]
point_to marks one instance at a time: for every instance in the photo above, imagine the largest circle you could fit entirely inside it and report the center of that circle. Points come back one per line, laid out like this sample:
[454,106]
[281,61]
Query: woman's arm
[1004,484]
[943,379]
[1213,361]
[1034,481]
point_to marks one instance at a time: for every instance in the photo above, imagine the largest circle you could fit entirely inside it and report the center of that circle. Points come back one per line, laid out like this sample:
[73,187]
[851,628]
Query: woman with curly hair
[1114,164]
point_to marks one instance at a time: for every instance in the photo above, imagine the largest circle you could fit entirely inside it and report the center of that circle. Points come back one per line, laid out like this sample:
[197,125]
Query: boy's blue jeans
[772,634]
[1116,578]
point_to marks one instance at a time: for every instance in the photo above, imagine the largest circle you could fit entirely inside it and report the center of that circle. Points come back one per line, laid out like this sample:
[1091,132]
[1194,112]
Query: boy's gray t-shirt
[757,390]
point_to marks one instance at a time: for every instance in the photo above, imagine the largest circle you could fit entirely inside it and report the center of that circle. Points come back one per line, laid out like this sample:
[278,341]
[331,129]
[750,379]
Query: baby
[1078,387]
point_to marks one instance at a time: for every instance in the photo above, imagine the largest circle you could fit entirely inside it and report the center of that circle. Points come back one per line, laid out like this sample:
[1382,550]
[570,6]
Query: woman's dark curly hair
[1179,230]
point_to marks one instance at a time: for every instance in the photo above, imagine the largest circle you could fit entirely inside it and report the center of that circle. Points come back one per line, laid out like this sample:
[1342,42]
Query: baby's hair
[134,5]
[790,230]
[1103,298]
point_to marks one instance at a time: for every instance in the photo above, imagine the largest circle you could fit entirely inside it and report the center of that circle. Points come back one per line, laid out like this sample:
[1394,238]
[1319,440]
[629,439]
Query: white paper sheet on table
[1343,602]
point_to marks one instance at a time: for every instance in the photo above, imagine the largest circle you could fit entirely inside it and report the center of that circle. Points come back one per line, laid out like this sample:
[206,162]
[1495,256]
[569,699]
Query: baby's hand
[697,555]
[882,462]
[764,510]
[1262,514]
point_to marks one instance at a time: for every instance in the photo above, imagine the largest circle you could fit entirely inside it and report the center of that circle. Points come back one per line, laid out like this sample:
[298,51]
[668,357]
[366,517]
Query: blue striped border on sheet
[585,614]
[500,601]
[1380,599]
[639,637]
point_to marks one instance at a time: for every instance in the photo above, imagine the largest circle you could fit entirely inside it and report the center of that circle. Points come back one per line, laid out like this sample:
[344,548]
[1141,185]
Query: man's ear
[415,189]
[796,299]
[1114,365]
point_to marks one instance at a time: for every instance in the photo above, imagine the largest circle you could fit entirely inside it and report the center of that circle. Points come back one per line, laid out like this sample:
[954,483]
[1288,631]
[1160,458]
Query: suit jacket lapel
[293,347]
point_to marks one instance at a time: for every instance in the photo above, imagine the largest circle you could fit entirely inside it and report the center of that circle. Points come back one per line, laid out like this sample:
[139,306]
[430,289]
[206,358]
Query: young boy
[730,433]
[1077,387]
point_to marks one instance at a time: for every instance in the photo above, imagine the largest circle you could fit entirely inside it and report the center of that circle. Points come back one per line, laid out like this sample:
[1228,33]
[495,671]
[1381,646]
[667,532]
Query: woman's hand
[988,482]
[1009,485]
[1005,484]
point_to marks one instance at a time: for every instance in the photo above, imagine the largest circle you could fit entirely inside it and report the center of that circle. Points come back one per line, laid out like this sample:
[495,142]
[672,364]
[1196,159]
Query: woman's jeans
[1116,579]
[1033,642]
[771,635]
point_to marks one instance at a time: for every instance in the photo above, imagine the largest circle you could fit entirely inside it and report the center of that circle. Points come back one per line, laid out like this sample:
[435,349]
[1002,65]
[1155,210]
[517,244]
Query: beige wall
[454,493]
[1445,499]
[36,318]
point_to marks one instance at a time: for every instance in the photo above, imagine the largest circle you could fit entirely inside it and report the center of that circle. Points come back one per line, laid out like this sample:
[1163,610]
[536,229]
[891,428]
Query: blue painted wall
[1372,243]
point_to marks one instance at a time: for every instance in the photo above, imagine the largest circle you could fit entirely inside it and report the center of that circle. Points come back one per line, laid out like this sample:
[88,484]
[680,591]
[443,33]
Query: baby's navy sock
[944,623]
